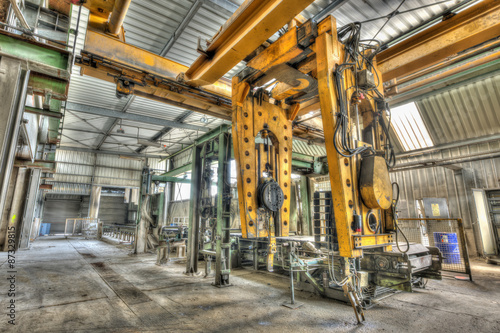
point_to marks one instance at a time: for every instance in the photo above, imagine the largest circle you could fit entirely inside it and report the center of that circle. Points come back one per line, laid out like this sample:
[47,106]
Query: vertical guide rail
[194,215]
[222,237]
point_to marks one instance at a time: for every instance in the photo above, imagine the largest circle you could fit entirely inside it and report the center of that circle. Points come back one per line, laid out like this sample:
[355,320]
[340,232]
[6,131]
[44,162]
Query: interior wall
[453,182]
[58,208]
[112,209]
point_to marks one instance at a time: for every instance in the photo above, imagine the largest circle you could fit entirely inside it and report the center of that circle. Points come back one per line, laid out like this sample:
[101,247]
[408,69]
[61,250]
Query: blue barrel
[447,243]
[44,229]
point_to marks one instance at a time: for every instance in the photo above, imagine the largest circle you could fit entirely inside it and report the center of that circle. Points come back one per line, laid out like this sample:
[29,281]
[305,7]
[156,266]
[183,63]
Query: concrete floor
[90,286]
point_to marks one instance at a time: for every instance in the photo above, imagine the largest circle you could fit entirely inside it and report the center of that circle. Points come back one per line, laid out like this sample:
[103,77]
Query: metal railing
[90,228]
[447,235]
[124,234]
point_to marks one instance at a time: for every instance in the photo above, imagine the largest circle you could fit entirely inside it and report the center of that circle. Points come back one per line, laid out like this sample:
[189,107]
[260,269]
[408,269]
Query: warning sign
[435,210]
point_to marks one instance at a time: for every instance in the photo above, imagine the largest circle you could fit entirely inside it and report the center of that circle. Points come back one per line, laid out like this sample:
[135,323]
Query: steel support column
[16,208]
[13,85]
[222,236]
[194,215]
[29,208]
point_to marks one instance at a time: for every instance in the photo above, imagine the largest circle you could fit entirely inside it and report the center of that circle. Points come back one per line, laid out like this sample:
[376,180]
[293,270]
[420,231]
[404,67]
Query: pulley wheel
[271,196]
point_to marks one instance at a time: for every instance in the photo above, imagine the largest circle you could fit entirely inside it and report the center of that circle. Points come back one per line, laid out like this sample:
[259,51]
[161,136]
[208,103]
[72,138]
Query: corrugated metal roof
[302,147]
[362,10]
[150,24]
[466,112]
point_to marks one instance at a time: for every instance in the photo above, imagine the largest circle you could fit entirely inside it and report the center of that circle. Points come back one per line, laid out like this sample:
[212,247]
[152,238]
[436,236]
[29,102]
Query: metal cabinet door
[484,222]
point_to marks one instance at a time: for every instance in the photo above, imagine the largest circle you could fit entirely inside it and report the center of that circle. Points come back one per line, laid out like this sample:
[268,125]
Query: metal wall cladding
[111,170]
[183,158]
[452,184]
[157,164]
[112,210]
[59,208]
[63,189]
[466,112]
[115,171]
[74,167]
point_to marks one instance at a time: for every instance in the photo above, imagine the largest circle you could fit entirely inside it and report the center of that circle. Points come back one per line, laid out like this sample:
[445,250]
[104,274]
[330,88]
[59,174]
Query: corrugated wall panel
[450,184]
[115,171]
[466,112]
[156,164]
[59,208]
[112,210]
[73,166]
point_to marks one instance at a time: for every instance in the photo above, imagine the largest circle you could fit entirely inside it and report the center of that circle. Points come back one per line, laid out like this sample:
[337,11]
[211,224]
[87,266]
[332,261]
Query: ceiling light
[120,130]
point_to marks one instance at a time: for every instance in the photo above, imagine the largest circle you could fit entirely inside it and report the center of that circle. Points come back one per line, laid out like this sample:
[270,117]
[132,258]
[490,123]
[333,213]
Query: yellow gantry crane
[312,66]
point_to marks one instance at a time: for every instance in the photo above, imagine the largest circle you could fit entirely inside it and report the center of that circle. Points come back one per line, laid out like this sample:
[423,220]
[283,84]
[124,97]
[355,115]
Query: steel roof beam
[250,26]
[469,28]
[224,6]
[182,26]
[110,152]
[130,116]
[115,122]
[165,130]
[334,5]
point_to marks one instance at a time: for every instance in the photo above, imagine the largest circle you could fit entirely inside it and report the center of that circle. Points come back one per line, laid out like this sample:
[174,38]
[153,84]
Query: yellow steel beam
[101,8]
[249,118]
[118,16]
[250,26]
[283,50]
[373,241]
[108,58]
[327,56]
[467,29]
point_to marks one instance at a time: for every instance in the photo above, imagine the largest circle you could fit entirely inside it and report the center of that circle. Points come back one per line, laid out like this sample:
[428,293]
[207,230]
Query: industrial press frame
[316,68]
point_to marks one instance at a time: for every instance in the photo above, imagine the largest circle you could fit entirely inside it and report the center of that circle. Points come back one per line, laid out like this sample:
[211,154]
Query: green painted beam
[178,171]
[302,164]
[41,83]
[40,58]
[163,178]
[19,47]
[43,112]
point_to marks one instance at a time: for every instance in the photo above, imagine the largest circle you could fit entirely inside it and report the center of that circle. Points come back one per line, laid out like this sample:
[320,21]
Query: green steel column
[194,215]
[306,204]
[222,237]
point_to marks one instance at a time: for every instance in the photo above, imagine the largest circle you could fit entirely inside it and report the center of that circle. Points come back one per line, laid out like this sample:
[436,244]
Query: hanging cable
[394,207]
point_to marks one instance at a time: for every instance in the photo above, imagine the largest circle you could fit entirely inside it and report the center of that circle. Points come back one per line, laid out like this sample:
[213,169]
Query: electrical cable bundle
[349,35]
[394,206]
[390,156]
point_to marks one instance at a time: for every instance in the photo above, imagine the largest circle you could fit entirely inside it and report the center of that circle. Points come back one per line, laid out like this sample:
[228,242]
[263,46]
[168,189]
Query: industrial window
[410,128]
